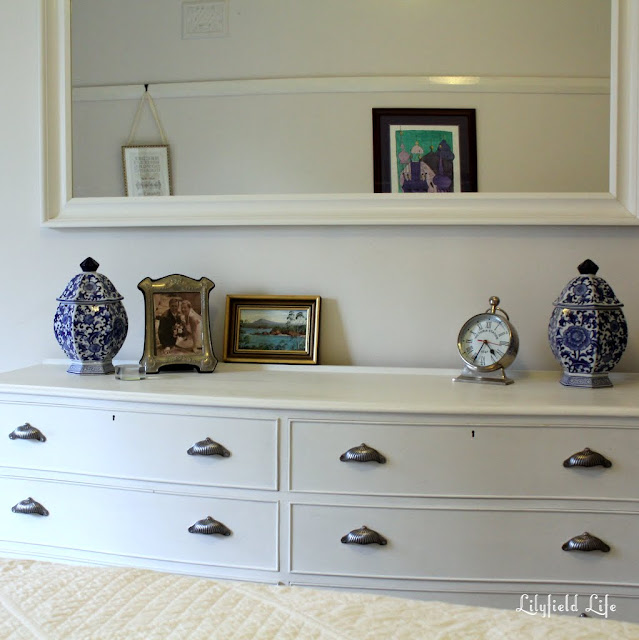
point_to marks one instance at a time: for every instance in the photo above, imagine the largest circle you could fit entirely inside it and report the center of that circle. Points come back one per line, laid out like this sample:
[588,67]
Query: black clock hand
[483,344]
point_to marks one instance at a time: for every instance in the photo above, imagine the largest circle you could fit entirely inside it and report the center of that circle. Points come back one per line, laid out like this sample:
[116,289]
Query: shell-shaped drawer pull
[364,535]
[209,526]
[27,432]
[208,447]
[30,506]
[362,453]
[587,458]
[585,542]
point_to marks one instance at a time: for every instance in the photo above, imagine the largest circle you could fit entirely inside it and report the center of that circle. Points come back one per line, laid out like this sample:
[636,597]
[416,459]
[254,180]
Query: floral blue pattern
[90,323]
[587,331]
[577,338]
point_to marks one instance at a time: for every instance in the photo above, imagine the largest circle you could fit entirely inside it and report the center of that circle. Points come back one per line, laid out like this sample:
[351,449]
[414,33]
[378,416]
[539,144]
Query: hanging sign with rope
[147,167]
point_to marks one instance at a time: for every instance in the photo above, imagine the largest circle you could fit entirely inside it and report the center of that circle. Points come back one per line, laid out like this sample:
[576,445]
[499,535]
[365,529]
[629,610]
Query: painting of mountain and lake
[269,329]
[272,329]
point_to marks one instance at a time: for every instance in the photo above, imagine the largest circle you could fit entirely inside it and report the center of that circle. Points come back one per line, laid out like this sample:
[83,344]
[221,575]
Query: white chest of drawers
[468,494]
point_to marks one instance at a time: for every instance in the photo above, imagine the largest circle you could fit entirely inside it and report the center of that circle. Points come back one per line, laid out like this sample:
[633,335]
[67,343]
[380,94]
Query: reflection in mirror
[537,74]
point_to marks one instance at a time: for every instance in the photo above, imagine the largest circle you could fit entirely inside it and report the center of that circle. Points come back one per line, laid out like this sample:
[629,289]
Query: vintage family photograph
[177,332]
[178,323]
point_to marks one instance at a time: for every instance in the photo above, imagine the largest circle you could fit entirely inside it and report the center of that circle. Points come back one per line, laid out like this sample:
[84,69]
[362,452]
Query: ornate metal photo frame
[275,329]
[176,328]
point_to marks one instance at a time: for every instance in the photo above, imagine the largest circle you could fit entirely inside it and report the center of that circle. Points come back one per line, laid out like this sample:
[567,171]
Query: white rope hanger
[146,99]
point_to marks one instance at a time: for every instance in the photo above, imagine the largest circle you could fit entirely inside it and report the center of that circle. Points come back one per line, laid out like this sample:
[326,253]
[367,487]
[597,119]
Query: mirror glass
[276,97]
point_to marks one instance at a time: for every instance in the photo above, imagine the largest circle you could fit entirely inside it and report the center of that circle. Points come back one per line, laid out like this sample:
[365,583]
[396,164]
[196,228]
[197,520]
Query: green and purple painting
[425,159]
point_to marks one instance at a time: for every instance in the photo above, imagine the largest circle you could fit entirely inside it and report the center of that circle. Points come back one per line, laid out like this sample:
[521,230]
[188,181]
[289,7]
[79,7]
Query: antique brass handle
[587,458]
[27,432]
[585,542]
[30,506]
[209,526]
[364,535]
[362,453]
[208,447]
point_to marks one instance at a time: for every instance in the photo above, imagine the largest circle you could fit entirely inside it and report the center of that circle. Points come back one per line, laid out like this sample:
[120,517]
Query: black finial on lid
[588,267]
[89,265]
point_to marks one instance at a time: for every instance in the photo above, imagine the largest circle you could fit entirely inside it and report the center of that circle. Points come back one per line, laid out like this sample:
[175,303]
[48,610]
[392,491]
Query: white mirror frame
[618,207]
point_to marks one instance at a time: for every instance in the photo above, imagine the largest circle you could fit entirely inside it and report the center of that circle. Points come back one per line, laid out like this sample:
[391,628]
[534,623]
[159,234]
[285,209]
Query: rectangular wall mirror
[263,135]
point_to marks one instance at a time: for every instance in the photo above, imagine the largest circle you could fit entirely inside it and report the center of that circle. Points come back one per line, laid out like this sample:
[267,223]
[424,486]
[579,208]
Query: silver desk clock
[487,343]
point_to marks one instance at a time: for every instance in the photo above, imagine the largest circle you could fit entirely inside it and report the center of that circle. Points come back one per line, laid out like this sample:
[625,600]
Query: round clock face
[487,342]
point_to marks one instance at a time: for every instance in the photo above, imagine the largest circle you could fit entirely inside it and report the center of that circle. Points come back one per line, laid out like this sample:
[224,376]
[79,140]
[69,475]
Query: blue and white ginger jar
[90,323]
[587,331]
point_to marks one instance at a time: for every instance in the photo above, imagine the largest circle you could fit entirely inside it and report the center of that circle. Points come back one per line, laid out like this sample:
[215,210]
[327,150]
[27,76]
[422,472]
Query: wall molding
[353,84]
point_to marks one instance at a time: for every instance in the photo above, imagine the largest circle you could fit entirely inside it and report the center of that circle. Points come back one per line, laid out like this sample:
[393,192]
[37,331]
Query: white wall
[122,40]
[322,142]
[392,296]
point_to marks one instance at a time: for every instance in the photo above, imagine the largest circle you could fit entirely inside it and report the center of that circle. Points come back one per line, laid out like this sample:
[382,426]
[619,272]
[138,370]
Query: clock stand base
[497,377]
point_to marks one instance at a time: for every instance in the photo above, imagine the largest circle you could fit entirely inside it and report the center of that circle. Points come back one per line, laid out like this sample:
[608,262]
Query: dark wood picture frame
[423,169]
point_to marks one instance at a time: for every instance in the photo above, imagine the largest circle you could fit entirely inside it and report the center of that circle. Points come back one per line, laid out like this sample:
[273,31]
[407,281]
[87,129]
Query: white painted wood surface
[466,544]
[102,442]
[473,499]
[351,84]
[510,460]
[326,388]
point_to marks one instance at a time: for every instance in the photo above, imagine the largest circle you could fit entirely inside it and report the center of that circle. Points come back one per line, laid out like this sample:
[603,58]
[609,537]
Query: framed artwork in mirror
[176,328]
[275,329]
[147,170]
[424,150]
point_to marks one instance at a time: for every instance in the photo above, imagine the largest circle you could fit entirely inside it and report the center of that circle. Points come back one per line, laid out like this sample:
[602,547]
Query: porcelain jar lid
[588,291]
[89,286]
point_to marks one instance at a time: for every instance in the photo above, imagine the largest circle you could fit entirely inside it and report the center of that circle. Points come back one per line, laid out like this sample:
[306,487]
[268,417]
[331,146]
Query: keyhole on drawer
[113,418]
[472,433]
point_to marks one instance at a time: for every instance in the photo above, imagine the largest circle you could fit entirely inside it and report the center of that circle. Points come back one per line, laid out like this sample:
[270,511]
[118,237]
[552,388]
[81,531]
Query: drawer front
[145,446]
[464,544]
[142,524]
[459,460]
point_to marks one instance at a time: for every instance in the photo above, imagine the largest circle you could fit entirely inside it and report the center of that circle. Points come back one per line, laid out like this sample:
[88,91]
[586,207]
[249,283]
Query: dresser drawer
[142,524]
[464,544]
[145,446]
[462,460]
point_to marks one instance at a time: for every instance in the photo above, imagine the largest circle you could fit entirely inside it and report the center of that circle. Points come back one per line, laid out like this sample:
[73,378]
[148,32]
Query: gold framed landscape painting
[275,329]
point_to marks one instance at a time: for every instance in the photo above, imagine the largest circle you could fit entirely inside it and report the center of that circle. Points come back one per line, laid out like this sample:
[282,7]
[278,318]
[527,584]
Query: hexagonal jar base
[586,380]
[91,368]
